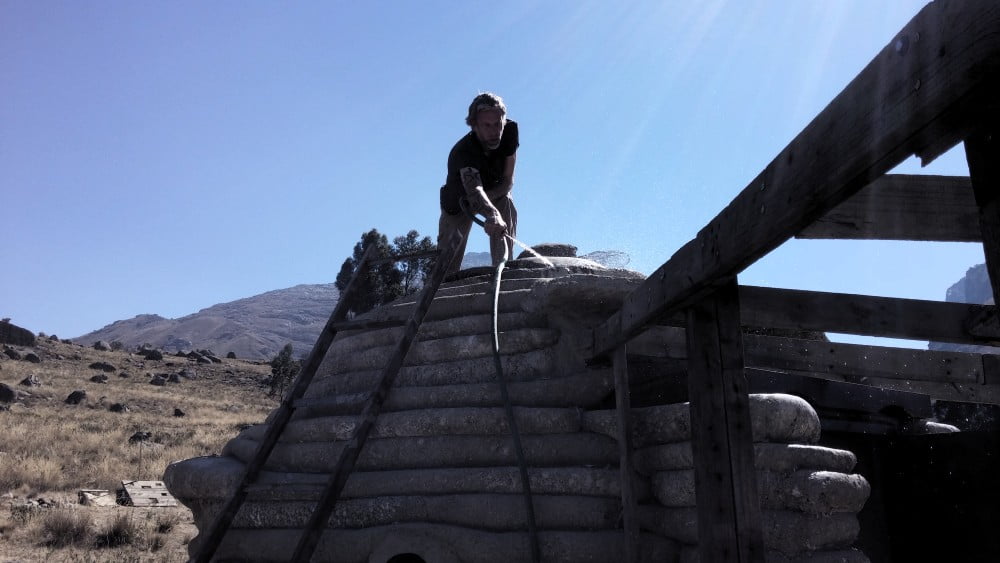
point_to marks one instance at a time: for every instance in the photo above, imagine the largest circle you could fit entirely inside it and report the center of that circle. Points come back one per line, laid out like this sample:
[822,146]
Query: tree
[414,271]
[283,370]
[385,282]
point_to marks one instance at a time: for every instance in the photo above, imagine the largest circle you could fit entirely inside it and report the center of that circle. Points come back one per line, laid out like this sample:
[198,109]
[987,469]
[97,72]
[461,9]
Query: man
[481,169]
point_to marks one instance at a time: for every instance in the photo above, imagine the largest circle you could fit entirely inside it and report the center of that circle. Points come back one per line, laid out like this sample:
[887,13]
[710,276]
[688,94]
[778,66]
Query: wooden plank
[729,522]
[982,151]
[858,362]
[824,394]
[623,406]
[148,493]
[947,57]
[904,207]
[888,317]
[819,358]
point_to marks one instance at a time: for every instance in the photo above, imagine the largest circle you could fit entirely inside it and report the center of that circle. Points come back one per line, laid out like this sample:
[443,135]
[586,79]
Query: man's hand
[495,226]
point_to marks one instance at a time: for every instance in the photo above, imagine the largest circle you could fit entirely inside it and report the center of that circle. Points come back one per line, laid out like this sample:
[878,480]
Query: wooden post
[982,151]
[623,406]
[729,521]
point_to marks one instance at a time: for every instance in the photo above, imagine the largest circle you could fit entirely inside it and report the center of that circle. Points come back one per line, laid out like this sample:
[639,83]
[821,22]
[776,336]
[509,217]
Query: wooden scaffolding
[934,86]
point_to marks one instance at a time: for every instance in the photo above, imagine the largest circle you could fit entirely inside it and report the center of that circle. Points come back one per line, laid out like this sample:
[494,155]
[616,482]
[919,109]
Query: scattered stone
[102,346]
[151,354]
[31,381]
[103,366]
[12,353]
[140,436]
[119,407]
[173,378]
[76,397]
[100,378]
[188,374]
[7,393]
[178,412]
[32,357]
[231,355]
[124,374]
[158,380]
[53,338]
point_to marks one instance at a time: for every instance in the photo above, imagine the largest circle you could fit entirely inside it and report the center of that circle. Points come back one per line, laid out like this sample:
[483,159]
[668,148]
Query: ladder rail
[352,449]
[283,414]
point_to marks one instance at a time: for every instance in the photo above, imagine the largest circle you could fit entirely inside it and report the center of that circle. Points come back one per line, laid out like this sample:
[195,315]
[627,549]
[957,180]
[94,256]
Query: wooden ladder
[349,454]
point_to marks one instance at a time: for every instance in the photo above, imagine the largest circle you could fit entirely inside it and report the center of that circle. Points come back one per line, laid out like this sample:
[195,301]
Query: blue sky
[161,157]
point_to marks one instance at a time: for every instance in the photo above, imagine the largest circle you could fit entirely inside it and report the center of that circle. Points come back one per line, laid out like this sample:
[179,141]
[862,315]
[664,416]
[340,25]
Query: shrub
[165,523]
[62,528]
[122,530]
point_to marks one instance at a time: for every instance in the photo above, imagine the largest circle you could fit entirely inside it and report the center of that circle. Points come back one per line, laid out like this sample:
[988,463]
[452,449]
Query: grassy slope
[50,450]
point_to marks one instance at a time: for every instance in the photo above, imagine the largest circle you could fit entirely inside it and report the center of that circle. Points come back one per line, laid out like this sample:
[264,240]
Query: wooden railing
[935,85]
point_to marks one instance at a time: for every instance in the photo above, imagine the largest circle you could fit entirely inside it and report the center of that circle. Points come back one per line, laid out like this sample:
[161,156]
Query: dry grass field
[50,450]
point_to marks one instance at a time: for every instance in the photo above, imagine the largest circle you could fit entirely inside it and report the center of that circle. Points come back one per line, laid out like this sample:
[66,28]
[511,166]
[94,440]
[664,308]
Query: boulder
[32,357]
[102,346]
[76,397]
[12,353]
[119,407]
[178,412]
[158,380]
[100,378]
[140,436]
[151,354]
[7,393]
[15,335]
[31,381]
[103,366]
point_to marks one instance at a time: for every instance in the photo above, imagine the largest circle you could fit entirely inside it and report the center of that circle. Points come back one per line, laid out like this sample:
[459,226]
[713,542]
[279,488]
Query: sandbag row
[774,417]
[809,500]
[540,450]
[442,544]
[427,422]
[583,389]
[219,475]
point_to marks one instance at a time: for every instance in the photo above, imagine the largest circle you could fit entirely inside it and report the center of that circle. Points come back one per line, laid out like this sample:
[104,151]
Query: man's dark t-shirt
[469,153]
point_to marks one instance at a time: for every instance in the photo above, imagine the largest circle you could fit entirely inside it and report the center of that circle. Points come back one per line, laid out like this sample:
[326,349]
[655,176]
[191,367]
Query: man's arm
[480,202]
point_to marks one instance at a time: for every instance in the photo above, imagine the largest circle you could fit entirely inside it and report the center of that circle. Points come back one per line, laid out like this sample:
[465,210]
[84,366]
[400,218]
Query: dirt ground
[164,532]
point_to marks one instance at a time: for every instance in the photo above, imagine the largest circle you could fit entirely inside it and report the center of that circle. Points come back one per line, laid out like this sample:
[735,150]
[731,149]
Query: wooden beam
[853,362]
[888,317]
[943,64]
[982,151]
[623,405]
[729,522]
[904,207]
[856,362]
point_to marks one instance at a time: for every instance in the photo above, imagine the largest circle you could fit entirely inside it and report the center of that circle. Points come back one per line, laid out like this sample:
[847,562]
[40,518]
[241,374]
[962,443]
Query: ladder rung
[401,257]
[366,324]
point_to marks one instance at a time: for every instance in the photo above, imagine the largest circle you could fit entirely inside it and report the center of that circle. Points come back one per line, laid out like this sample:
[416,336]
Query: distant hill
[258,327]
[254,327]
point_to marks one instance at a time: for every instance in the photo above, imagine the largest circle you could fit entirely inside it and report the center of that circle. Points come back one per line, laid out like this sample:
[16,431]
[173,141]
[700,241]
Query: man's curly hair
[485,101]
